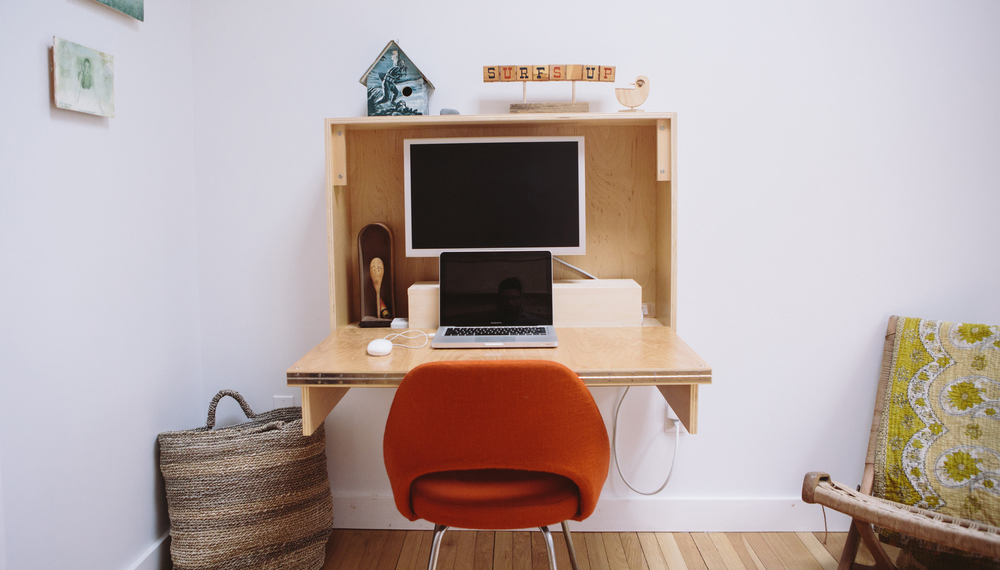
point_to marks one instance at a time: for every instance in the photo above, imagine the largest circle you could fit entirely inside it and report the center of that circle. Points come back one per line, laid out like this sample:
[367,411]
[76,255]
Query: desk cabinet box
[575,303]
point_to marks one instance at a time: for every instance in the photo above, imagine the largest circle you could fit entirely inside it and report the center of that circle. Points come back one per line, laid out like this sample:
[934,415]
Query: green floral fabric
[939,440]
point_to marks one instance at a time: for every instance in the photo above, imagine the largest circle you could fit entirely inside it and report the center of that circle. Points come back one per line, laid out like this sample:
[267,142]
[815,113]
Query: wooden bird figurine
[632,98]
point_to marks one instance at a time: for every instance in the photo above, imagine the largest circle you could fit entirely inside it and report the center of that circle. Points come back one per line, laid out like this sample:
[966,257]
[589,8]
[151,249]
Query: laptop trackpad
[497,340]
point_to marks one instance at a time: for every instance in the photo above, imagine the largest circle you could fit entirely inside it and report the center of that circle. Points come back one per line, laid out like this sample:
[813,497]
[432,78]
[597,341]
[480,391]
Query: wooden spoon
[377,270]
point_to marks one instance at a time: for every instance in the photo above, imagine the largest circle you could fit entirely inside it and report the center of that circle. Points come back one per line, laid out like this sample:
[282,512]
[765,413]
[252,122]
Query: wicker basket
[253,495]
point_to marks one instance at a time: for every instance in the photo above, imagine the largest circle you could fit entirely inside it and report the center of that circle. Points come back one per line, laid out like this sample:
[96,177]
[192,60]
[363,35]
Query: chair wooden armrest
[927,525]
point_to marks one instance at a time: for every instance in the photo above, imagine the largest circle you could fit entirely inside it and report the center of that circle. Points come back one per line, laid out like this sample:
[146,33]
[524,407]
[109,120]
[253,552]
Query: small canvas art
[132,8]
[84,78]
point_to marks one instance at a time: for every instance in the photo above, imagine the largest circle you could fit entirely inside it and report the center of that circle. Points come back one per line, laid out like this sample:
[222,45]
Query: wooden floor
[469,550]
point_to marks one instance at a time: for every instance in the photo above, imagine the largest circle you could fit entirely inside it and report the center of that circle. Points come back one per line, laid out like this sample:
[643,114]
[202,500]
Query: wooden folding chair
[937,405]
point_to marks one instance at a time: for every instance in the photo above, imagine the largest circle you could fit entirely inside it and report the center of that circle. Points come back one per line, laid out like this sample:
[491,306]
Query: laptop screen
[497,288]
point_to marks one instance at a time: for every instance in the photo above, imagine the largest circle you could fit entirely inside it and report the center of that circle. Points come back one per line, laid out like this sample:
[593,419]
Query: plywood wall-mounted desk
[631,234]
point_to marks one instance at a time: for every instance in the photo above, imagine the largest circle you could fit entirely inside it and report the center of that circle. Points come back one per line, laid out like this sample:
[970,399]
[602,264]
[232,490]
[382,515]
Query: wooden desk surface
[601,356]
[636,356]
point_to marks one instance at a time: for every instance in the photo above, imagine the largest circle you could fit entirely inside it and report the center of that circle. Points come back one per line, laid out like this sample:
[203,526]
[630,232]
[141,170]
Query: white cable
[404,335]
[614,447]
[574,267]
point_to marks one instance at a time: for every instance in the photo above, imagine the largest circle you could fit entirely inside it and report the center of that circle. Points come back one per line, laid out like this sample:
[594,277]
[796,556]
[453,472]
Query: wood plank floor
[471,550]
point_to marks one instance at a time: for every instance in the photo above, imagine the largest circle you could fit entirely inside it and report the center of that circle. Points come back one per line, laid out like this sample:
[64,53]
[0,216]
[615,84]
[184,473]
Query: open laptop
[496,299]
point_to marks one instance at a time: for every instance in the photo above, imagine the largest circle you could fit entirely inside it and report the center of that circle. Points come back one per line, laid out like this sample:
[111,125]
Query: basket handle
[236,396]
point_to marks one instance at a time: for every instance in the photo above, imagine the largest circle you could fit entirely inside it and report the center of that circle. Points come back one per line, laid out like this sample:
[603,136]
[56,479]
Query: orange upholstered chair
[495,445]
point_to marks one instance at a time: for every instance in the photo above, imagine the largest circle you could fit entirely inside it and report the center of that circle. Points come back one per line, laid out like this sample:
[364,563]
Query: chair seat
[497,499]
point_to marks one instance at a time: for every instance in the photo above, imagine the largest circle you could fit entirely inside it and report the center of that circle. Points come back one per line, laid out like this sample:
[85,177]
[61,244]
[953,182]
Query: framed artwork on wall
[132,8]
[84,79]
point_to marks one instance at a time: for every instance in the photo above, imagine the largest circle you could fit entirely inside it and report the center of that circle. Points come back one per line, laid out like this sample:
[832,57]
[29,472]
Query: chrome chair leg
[569,545]
[436,545]
[549,547]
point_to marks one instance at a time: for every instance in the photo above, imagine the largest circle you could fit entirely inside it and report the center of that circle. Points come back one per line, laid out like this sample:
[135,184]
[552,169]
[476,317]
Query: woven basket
[253,495]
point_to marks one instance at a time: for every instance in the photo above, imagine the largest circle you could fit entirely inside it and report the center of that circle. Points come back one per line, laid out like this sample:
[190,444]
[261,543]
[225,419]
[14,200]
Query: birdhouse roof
[388,46]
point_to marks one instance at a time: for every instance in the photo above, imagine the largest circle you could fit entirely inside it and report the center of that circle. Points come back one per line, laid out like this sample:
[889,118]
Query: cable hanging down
[614,447]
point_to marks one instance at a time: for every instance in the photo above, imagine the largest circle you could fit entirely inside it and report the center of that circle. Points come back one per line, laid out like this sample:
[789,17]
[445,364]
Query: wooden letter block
[557,73]
[574,72]
[523,73]
[606,73]
[539,73]
[508,73]
[491,73]
[590,72]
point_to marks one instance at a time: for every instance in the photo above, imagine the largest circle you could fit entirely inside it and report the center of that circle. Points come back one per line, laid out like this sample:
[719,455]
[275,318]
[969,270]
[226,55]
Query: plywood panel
[621,198]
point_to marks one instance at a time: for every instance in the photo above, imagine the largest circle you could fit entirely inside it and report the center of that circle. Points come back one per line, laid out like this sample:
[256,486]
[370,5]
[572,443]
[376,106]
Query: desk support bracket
[684,401]
[317,403]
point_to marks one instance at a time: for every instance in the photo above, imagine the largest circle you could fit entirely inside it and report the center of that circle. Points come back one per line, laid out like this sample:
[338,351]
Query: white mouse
[379,347]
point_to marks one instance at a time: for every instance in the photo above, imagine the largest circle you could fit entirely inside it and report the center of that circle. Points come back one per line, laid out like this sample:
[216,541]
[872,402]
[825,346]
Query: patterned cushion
[939,441]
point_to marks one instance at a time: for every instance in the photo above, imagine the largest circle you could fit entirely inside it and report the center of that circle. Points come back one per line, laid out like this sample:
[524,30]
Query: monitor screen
[491,194]
[511,288]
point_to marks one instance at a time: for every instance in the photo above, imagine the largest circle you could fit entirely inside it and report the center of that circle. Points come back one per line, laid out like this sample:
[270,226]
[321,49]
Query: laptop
[495,299]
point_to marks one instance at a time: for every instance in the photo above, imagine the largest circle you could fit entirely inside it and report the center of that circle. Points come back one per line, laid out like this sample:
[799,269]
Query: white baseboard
[634,515]
[157,556]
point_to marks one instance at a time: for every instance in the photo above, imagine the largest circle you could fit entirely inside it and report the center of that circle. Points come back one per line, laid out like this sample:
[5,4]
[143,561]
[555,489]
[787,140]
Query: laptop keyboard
[494,331]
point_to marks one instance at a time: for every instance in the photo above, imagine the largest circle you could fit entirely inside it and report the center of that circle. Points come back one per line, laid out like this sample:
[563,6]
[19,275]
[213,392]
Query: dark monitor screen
[512,288]
[486,194]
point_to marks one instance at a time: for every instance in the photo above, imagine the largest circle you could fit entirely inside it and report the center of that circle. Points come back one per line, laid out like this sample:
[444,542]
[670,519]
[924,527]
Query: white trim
[150,560]
[634,515]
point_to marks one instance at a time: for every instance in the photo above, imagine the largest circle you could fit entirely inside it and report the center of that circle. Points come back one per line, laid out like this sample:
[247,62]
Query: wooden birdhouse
[395,85]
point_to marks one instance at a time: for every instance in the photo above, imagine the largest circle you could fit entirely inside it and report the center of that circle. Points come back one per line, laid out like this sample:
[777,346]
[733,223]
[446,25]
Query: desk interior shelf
[631,234]
[631,202]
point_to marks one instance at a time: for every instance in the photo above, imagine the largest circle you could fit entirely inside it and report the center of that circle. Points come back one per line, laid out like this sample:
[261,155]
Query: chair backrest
[935,440]
[531,415]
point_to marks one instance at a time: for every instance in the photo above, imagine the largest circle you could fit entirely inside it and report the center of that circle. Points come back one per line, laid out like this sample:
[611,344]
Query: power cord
[407,336]
[614,445]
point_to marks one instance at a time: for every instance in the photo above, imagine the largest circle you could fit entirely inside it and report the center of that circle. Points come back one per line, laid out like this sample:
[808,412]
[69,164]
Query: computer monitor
[495,194]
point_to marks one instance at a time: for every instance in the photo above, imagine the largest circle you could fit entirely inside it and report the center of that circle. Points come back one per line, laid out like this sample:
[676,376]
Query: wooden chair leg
[859,532]
[850,552]
[882,560]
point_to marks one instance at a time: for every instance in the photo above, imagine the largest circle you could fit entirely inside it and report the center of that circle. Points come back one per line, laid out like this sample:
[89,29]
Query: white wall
[837,165]
[3,529]
[834,169]
[99,345]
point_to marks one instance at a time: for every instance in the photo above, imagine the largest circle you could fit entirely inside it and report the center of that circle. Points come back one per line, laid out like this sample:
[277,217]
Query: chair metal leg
[436,545]
[549,547]
[569,545]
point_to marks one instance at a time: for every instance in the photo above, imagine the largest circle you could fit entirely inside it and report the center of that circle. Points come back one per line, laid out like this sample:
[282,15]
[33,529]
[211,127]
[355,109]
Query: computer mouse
[379,347]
